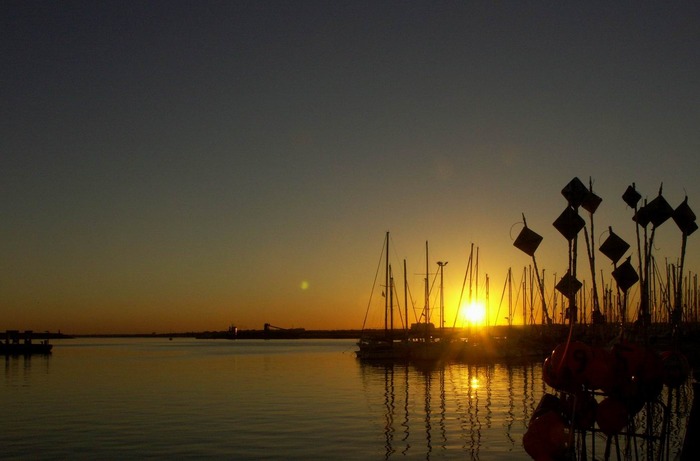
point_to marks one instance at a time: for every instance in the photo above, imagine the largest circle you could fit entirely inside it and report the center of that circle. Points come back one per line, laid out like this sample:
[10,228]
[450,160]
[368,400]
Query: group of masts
[391,304]
[599,300]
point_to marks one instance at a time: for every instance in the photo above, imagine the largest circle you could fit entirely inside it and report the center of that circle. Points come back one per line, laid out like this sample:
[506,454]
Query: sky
[171,166]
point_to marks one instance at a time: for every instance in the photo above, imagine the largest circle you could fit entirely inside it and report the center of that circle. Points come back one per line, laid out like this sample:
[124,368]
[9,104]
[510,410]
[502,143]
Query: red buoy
[611,416]
[631,356]
[601,370]
[581,409]
[569,362]
[547,437]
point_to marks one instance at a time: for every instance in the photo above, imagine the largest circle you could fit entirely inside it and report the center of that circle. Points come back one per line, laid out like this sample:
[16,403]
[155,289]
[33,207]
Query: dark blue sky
[198,161]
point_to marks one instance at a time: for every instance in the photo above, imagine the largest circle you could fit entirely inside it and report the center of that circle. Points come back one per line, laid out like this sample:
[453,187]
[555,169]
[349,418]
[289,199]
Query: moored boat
[384,346]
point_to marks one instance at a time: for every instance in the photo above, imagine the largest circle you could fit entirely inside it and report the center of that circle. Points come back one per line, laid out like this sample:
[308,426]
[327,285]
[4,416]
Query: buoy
[546,437]
[630,355]
[557,377]
[548,402]
[581,409]
[611,415]
[569,362]
[548,373]
[578,358]
[601,370]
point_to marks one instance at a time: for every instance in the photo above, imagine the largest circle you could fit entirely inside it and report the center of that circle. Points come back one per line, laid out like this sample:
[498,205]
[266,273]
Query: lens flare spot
[304,285]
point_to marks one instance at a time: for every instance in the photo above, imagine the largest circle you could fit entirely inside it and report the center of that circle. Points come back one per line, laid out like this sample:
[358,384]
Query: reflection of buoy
[611,416]
[546,437]
[676,368]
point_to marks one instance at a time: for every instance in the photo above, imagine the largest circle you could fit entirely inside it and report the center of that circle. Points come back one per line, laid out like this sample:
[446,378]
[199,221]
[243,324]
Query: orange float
[630,356]
[557,380]
[547,437]
[601,370]
[568,365]
[581,409]
[548,373]
[611,416]
[578,358]
[548,402]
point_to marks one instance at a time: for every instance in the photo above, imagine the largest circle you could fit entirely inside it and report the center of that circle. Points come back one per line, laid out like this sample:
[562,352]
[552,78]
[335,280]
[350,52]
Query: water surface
[219,399]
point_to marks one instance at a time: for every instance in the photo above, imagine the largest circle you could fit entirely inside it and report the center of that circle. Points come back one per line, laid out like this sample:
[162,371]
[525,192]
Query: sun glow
[474,313]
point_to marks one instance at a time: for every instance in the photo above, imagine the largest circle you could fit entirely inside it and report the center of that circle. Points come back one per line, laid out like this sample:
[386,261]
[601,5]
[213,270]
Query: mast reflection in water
[451,410]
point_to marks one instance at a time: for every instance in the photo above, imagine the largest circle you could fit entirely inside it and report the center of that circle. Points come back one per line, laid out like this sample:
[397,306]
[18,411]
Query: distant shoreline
[241,334]
[302,333]
[657,331]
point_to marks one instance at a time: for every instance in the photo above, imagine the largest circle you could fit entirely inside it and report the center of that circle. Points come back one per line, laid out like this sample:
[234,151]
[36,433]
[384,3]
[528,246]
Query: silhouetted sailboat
[383,346]
[425,342]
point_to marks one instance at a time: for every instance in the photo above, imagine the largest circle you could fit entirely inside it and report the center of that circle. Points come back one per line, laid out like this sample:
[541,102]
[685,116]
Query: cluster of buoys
[626,376]
[626,369]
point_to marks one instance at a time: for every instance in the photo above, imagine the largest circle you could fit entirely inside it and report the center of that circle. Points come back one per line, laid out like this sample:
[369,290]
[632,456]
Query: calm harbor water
[218,399]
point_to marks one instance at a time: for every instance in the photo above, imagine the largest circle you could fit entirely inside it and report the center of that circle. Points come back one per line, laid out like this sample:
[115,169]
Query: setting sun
[474,312]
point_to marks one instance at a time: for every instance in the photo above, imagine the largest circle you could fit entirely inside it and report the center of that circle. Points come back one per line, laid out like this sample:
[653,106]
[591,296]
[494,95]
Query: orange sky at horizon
[310,299]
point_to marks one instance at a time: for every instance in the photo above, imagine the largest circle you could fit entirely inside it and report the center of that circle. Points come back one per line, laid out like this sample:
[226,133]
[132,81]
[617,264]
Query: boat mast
[524,295]
[442,264]
[511,312]
[391,302]
[488,299]
[471,274]
[386,285]
[476,286]
[405,297]
[427,294]
[591,257]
